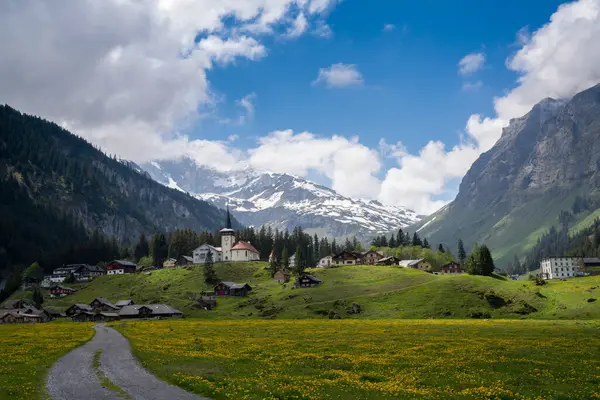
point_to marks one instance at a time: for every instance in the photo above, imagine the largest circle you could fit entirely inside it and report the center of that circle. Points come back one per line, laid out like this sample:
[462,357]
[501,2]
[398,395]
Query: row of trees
[404,239]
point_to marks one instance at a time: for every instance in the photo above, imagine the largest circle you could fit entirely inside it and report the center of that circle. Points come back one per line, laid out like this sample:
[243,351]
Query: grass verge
[104,381]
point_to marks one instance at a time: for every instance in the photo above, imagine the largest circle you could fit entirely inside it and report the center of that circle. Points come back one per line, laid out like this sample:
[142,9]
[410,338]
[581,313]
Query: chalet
[325,262]
[106,317]
[170,263]
[100,304]
[123,303]
[61,291]
[232,289]
[54,313]
[207,302]
[81,273]
[346,258]
[451,268]
[149,311]
[419,264]
[282,276]
[306,280]
[185,260]
[272,257]
[83,316]
[119,267]
[201,252]
[388,261]
[25,316]
[371,257]
[78,308]
[12,318]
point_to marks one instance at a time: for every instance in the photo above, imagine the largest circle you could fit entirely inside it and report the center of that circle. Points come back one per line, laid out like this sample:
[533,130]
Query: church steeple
[228,224]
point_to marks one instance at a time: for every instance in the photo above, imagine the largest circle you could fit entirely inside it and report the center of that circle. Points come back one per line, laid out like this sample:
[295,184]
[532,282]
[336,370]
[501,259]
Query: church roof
[241,245]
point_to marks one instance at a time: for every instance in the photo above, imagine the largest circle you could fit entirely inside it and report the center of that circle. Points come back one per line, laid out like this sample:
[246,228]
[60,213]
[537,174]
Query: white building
[325,262]
[229,250]
[559,267]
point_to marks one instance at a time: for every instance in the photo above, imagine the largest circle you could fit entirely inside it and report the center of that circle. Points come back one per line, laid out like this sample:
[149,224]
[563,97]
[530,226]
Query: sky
[387,100]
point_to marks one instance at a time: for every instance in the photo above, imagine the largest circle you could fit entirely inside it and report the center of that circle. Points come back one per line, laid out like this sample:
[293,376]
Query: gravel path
[74,377]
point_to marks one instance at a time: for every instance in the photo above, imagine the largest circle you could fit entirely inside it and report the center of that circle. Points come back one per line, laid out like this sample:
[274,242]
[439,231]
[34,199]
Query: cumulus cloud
[471,63]
[130,75]
[339,75]
[558,60]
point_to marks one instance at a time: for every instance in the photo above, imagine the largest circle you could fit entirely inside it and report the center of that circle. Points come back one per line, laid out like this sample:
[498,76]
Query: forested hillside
[59,195]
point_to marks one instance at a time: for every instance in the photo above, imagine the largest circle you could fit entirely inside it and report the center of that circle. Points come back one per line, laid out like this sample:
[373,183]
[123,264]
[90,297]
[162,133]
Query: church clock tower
[227,238]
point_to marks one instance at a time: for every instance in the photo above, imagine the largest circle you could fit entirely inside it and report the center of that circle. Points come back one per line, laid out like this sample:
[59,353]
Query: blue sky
[262,72]
[412,91]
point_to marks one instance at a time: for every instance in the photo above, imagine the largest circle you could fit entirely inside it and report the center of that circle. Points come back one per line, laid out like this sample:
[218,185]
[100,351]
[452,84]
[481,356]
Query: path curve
[74,377]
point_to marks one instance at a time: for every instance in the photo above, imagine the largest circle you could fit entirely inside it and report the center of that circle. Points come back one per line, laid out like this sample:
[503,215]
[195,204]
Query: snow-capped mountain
[281,200]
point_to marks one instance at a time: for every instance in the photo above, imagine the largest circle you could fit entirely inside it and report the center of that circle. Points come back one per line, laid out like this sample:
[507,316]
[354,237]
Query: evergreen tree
[285,258]
[34,273]
[462,254]
[416,240]
[348,245]
[472,265]
[486,261]
[392,241]
[210,276]
[159,249]
[299,262]
[37,297]
[141,248]
[273,267]
[400,238]
[441,248]
[426,244]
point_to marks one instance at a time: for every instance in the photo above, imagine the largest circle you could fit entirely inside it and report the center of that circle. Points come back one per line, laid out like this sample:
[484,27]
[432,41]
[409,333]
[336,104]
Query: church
[230,250]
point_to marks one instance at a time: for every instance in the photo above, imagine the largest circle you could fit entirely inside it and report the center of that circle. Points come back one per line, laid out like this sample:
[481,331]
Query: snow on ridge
[173,185]
[156,165]
[426,223]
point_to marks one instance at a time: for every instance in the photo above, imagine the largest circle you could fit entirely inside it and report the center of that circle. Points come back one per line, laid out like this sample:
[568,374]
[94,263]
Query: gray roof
[109,314]
[85,307]
[189,258]
[410,263]
[228,283]
[240,286]
[125,263]
[311,277]
[157,309]
[105,302]
[11,304]
[122,303]
[591,260]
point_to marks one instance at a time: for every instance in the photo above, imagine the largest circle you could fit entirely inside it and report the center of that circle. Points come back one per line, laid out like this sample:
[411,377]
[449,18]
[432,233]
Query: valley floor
[399,359]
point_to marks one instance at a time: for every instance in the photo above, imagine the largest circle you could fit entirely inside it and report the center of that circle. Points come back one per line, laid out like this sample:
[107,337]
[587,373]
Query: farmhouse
[371,257]
[346,258]
[388,261]
[185,260]
[149,311]
[420,264]
[81,273]
[54,313]
[232,289]
[170,263]
[202,251]
[61,291]
[25,315]
[451,268]
[100,304]
[83,316]
[16,304]
[120,267]
[106,317]
[78,308]
[306,280]
[325,262]
[281,276]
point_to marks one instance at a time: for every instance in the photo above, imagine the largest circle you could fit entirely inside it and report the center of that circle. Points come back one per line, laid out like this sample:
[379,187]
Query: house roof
[410,263]
[84,307]
[53,311]
[104,301]
[311,277]
[124,263]
[84,313]
[212,248]
[241,245]
[189,258]
[122,303]
[63,287]
[109,314]
[240,286]
[157,309]
[90,268]
[391,258]
[12,304]
[591,260]
[346,254]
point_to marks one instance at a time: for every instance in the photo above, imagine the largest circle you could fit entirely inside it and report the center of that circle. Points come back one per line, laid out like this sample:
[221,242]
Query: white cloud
[323,30]
[350,165]
[471,63]
[130,74]
[389,27]
[247,104]
[391,150]
[339,75]
[558,60]
[472,86]
[299,26]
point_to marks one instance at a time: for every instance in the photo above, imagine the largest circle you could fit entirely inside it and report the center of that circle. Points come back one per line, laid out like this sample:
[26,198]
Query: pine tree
[426,244]
[400,238]
[299,262]
[486,261]
[34,273]
[285,258]
[273,267]
[210,276]
[441,248]
[416,241]
[159,249]
[462,254]
[392,241]
[37,297]
[348,245]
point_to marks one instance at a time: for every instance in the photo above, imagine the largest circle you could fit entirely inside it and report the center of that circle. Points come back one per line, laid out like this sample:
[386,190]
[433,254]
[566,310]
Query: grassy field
[399,359]
[29,350]
[382,292]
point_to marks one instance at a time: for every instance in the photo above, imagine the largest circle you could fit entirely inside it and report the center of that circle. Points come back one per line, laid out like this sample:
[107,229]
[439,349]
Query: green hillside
[382,292]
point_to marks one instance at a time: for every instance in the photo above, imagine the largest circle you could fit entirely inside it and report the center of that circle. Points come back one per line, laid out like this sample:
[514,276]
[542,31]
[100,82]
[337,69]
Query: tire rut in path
[74,377]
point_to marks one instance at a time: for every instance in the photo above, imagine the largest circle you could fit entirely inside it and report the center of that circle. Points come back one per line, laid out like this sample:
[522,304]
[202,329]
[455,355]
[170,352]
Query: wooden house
[185,260]
[388,261]
[119,267]
[78,308]
[149,311]
[306,280]
[207,302]
[451,268]
[61,291]
[419,264]
[17,304]
[101,304]
[325,262]
[106,317]
[232,289]
[170,263]
[12,317]
[346,258]
[54,313]
[282,276]
[83,316]
[371,257]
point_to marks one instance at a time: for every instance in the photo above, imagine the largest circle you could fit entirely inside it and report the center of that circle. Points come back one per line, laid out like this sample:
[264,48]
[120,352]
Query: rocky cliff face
[516,190]
[282,200]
